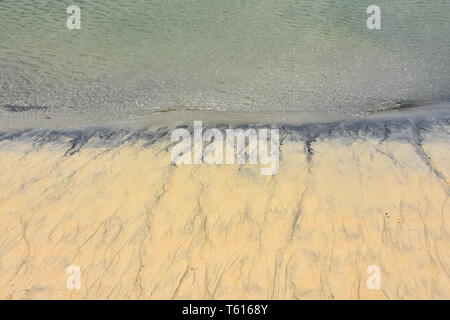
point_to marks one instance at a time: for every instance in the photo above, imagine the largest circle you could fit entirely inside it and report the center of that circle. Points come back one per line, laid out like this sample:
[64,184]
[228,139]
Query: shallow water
[312,57]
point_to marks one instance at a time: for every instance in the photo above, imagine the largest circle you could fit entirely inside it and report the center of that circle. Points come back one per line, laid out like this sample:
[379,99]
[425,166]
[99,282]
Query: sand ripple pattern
[110,202]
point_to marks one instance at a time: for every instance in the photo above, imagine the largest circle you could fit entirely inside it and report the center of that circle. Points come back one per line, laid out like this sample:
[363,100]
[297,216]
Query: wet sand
[111,202]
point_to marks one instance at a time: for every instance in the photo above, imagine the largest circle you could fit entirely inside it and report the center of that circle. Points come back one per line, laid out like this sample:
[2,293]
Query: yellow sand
[140,228]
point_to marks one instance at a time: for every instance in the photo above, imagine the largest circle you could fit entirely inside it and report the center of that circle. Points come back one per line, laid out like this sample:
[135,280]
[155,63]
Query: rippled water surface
[313,57]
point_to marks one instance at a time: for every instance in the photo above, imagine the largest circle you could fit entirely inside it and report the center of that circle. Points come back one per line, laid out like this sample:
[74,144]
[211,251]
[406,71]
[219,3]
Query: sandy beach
[139,227]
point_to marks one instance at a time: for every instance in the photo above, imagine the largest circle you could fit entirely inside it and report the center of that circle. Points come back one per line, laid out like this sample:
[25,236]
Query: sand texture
[139,227]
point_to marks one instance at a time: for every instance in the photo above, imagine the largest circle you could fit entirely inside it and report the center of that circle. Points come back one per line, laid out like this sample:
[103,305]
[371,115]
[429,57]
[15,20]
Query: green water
[315,57]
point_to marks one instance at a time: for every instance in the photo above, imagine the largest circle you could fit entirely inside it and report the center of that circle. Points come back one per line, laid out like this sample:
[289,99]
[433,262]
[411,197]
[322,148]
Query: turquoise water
[313,57]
